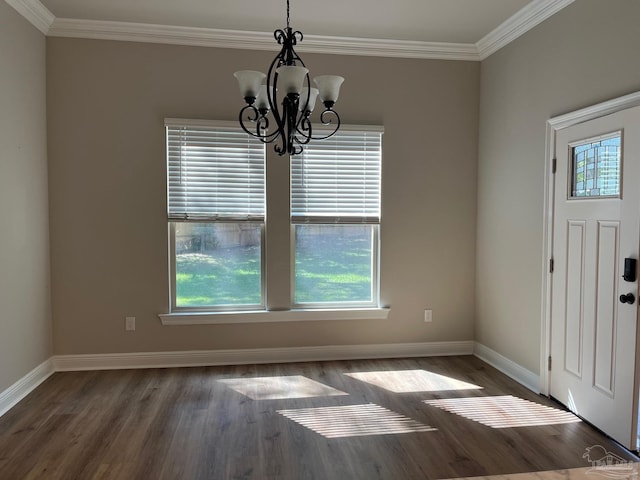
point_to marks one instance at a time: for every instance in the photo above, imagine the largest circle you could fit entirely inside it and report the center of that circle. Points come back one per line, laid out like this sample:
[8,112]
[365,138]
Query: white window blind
[215,171]
[337,180]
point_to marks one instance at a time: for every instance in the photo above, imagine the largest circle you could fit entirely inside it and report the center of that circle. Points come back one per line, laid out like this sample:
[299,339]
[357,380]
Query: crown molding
[35,12]
[517,25]
[389,48]
[209,37]
[523,21]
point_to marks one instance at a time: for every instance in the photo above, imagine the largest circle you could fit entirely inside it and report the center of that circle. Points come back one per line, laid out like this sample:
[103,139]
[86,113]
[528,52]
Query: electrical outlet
[428,316]
[130,323]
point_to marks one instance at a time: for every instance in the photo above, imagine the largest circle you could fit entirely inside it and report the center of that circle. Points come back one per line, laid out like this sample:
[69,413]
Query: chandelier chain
[288,22]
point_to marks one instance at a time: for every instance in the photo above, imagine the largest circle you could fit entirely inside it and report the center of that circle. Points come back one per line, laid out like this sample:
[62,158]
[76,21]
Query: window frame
[571,177]
[337,221]
[346,305]
[213,219]
[239,314]
[173,304]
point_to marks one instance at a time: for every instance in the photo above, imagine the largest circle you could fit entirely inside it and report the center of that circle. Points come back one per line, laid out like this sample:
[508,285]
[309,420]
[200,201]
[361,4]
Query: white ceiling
[442,21]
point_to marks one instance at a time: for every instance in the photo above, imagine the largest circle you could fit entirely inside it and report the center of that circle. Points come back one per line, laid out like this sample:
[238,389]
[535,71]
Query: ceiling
[442,21]
[438,29]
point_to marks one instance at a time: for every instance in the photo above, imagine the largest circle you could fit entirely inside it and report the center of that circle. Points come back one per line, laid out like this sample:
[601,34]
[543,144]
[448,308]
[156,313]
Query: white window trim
[268,316]
[351,127]
[173,307]
[296,314]
[194,122]
[355,220]
[347,306]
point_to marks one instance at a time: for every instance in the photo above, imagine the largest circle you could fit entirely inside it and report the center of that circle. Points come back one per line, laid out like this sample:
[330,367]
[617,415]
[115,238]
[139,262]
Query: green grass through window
[331,268]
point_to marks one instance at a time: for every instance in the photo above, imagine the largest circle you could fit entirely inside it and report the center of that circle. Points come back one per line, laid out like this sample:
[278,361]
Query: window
[216,211]
[335,216]
[596,167]
[216,202]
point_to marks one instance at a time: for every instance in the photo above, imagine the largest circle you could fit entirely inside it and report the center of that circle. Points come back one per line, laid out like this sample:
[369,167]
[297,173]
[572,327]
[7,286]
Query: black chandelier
[289,75]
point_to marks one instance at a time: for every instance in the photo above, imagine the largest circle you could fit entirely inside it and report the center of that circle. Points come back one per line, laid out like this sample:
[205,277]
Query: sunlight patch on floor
[407,381]
[504,411]
[354,421]
[279,388]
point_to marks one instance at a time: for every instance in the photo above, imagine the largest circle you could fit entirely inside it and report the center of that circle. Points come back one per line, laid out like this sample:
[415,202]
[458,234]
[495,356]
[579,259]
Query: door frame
[554,125]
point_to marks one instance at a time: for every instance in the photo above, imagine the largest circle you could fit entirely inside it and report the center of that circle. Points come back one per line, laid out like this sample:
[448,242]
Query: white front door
[596,227]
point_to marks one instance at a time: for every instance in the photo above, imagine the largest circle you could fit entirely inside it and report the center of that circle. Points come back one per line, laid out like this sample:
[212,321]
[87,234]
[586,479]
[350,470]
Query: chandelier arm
[268,138]
[303,125]
[329,121]
[281,145]
[290,108]
[280,36]
[252,118]
[304,129]
[280,149]
[262,125]
[272,87]
[305,112]
[324,121]
[294,55]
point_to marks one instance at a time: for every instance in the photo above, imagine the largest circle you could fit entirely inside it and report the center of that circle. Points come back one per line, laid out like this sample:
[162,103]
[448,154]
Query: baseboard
[25,385]
[508,367]
[114,361]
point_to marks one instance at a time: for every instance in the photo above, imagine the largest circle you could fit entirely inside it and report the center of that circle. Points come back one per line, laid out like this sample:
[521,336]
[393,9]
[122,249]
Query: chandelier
[288,77]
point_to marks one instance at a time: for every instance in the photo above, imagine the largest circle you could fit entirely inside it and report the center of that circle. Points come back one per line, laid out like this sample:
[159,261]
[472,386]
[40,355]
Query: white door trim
[554,125]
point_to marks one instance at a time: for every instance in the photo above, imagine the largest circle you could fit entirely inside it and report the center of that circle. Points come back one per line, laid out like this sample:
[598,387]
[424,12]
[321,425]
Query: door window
[596,166]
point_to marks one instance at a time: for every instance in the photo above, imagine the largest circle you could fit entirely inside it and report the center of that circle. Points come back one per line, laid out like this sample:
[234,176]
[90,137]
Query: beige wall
[583,55]
[107,102]
[25,317]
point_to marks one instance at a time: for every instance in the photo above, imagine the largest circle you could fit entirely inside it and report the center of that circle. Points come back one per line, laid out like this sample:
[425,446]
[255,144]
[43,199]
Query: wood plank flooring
[374,419]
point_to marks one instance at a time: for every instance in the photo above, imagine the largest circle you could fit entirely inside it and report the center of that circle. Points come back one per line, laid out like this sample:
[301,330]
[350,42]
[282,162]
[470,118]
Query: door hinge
[549,363]
[554,165]
[551,265]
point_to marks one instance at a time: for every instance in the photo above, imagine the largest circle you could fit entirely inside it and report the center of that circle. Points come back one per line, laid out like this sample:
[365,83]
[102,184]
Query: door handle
[629,270]
[628,298]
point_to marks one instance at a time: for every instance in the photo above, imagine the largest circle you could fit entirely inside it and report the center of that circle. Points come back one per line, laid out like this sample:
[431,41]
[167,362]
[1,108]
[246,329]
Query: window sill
[266,316]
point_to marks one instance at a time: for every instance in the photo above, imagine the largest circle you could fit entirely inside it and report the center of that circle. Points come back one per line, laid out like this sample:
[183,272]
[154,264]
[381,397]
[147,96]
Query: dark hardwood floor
[376,419]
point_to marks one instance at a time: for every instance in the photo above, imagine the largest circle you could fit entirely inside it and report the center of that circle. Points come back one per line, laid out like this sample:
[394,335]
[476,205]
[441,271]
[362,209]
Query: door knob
[628,298]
